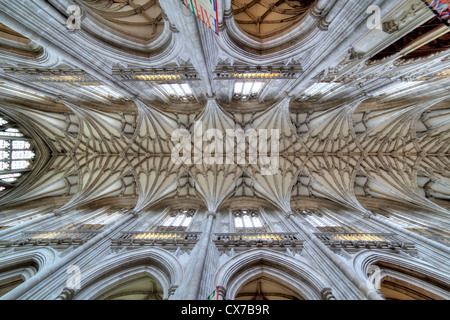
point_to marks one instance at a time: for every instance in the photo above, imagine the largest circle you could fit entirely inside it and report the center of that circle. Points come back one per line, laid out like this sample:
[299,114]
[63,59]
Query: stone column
[361,284]
[222,293]
[66,294]
[186,24]
[203,250]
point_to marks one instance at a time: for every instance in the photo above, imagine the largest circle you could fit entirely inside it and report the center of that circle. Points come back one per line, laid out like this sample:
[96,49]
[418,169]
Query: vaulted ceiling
[351,128]
[266,19]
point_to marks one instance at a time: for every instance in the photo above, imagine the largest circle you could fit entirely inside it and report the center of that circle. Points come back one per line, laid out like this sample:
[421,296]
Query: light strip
[63,78]
[256,75]
[159,77]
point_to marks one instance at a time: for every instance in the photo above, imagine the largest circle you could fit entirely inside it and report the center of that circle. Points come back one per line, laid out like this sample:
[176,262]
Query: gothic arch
[406,272]
[18,267]
[104,289]
[300,36]
[264,20]
[142,22]
[141,29]
[39,257]
[155,263]
[289,272]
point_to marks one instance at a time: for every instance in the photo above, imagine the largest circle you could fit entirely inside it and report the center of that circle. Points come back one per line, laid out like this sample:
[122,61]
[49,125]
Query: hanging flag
[214,295]
[206,11]
[441,9]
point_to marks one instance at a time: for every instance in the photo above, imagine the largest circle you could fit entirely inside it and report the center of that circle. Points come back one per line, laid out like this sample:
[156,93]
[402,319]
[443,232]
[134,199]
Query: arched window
[178,220]
[425,231]
[321,222]
[16,154]
[248,221]
[178,91]
[100,221]
[247,89]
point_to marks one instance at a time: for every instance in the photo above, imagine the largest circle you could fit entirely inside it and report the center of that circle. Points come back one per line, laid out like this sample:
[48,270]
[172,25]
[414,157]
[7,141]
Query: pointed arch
[154,262]
[235,273]
[424,280]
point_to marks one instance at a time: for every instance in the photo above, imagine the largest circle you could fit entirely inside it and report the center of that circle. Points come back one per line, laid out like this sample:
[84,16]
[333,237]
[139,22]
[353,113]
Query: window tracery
[247,89]
[248,221]
[100,221]
[179,220]
[16,154]
[178,91]
[321,222]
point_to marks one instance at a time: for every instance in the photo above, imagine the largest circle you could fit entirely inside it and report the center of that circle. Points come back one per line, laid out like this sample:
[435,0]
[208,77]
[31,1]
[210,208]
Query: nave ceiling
[102,123]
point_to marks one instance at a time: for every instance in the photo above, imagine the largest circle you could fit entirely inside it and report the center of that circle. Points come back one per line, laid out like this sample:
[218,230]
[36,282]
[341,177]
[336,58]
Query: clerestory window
[247,89]
[178,91]
[321,222]
[178,220]
[248,221]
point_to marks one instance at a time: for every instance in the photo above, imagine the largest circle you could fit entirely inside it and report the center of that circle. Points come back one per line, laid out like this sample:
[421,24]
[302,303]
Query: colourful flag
[206,11]
[214,295]
[441,9]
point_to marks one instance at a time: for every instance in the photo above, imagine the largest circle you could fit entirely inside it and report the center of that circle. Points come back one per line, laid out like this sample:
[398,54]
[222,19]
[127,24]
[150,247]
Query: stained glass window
[4,165]
[22,155]
[19,145]
[4,155]
[10,177]
[18,165]
[238,223]
[318,89]
[16,154]
[103,91]
[4,144]
[10,134]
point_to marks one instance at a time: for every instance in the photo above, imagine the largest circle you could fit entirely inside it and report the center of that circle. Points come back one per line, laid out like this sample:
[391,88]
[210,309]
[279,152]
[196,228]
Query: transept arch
[154,265]
[18,267]
[402,278]
[245,36]
[301,280]
[137,283]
